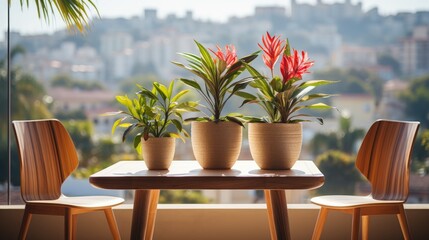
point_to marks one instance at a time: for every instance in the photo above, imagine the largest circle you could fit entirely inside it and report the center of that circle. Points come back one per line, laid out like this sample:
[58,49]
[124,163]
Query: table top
[188,174]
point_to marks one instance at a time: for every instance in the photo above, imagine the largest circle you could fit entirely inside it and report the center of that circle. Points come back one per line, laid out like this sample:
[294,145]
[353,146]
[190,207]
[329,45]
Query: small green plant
[153,113]
[218,74]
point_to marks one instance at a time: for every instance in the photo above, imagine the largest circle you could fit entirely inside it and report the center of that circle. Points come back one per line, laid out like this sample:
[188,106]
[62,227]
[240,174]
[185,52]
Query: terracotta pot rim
[158,138]
[274,123]
[213,122]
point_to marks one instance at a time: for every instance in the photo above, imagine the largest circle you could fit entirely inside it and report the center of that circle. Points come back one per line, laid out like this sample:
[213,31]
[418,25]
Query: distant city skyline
[26,20]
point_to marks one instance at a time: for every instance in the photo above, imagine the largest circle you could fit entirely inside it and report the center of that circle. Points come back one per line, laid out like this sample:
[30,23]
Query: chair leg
[365,227]
[403,222]
[25,224]
[70,225]
[112,223]
[355,223]
[320,222]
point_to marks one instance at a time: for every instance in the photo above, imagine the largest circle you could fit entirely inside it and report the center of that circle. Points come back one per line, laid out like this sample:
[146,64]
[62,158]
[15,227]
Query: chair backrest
[384,158]
[47,157]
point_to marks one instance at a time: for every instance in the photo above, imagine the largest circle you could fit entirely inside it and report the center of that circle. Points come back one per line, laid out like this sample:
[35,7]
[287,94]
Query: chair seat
[82,202]
[346,201]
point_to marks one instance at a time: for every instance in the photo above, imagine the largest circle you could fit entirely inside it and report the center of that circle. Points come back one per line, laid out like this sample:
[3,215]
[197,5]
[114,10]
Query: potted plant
[216,139]
[275,140]
[155,116]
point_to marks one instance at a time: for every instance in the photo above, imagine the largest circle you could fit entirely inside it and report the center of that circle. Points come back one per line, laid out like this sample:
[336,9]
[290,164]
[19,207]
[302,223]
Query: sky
[26,20]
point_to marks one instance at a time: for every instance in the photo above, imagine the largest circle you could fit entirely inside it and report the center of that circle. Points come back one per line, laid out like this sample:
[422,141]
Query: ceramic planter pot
[216,145]
[158,153]
[275,146]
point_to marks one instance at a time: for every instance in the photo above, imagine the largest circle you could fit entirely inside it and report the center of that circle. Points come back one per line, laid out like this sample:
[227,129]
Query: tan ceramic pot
[158,153]
[216,145]
[275,146]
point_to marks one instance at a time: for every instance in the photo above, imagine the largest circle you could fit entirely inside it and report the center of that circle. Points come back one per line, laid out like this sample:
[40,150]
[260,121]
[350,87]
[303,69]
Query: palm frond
[75,13]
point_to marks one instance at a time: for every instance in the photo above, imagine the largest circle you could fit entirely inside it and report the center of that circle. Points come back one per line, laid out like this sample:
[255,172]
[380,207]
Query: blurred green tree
[420,162]
[28,101]
[345,139]
[66,81]
[340,172]
[182,196]
[352,81]
[416,100]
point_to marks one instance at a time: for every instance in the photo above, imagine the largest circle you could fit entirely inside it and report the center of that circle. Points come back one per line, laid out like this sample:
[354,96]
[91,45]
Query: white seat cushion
[347,201]
[83,202]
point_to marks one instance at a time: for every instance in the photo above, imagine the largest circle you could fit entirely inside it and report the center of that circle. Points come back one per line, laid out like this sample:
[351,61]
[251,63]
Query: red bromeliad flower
[294,66]
[283,98]
[230,55]
[272,47]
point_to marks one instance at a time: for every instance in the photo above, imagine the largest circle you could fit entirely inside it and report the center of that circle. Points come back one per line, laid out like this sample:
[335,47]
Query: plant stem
[166,115]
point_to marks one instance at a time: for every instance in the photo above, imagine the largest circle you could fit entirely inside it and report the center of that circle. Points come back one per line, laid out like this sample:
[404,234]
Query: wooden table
[189,175]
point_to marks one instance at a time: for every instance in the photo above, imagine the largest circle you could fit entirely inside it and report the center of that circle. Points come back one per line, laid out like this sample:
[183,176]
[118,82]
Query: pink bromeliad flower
[230,55]
[294,66]
[273,47]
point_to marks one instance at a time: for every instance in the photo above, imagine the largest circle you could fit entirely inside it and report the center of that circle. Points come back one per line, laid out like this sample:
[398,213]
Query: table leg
[277,214]
[144,214]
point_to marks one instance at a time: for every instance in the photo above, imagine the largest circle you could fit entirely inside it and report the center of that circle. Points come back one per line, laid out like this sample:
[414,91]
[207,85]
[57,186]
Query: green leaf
[116,124]
[128,130]
[179,95]
[191,58]
[303,92]
[235,120]
[248,101]
[191,83]
[178,124]
[146,131]
[137,143]
[187,105]
[315,96]
[198,119]
[185,108]
[277,84]
[245,95]
[249,58]
[206,58]
[132,108]
[240,85]
[185,133]
[174,135]
[124,100]
[170,89]
[287,48]
[125,125]
[108,114]
[254,119]
[146,93]
[264,87]
[234,114]
[318,106]
[316,83]
[161,89]
[318,119]
[150,112]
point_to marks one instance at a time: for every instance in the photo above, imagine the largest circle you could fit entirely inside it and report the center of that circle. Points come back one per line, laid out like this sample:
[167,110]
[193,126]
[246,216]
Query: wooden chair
[384,159]
[47,158]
